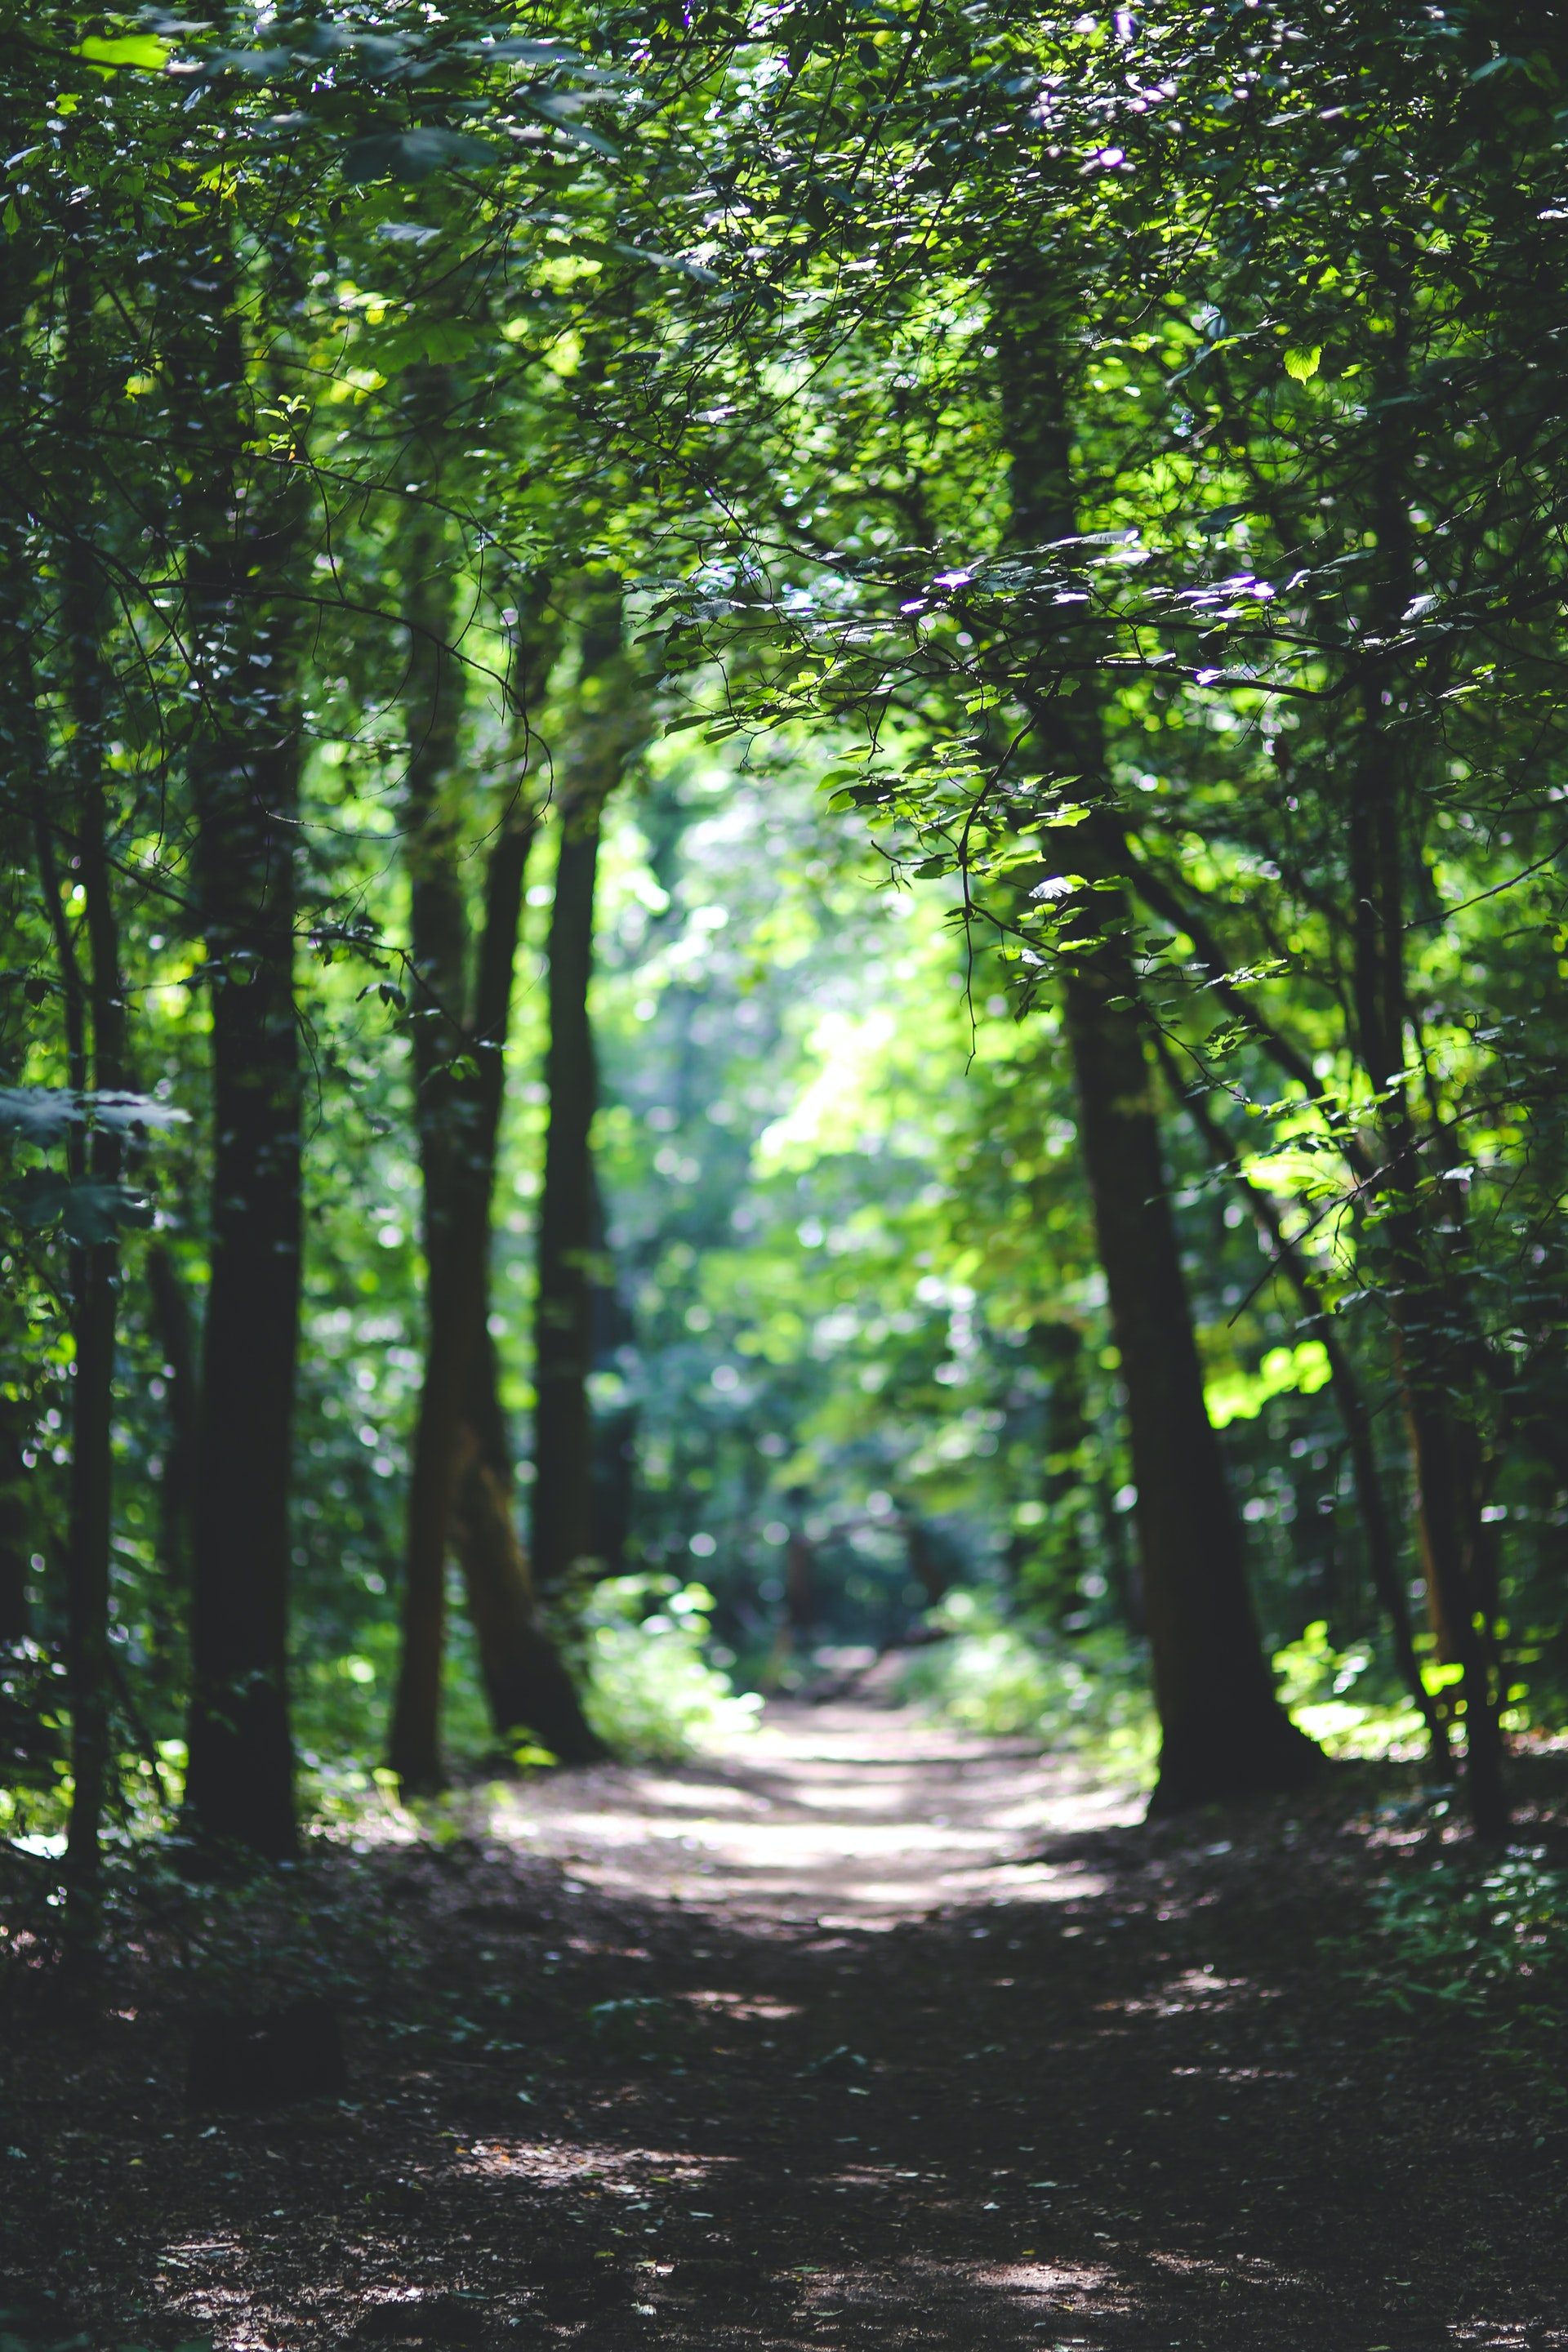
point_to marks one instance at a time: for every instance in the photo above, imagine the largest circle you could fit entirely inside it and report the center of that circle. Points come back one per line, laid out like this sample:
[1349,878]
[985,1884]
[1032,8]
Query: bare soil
[869,2035]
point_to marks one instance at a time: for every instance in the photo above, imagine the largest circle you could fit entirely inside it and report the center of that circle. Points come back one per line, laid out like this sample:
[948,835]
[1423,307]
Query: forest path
[869,2037]
[846,1813]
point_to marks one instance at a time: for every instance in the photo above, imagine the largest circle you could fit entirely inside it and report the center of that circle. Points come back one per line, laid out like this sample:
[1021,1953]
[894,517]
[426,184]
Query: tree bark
[94,1266]
[1222,1732]
[244,764]
[16,1619]
[460,1490]
[526,1680]
[172,1322]
[1382,1553]
[608,722]
[1456,1543]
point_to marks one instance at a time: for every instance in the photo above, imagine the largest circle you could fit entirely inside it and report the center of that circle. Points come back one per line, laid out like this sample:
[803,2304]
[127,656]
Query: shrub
[996,1674]
[650,1690]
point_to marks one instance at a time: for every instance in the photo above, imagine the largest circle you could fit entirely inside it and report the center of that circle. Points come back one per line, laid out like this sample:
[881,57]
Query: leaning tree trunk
[1223,1733]
[244,764]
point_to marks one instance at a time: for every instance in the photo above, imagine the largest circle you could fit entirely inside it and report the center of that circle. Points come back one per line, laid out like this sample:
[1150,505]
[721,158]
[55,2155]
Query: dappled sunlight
[869,1811]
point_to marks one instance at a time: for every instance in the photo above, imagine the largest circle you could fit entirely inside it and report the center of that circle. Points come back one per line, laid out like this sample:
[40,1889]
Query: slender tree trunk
[433,705]
[526,1680]
[460,1490]
[564,1435]
[15,1519]
[608,722]
[176,1339]
[1444,1442]
[245,763]
[1223,1731]
[94,1266]
[1382,1552]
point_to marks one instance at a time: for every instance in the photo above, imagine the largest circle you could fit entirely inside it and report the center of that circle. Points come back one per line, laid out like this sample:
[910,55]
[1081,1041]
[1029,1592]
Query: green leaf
[88,1214]
[665,261]
[1301,366]
[554,110]
[41,1115]
[1218,518]
[412,155]
[143,52]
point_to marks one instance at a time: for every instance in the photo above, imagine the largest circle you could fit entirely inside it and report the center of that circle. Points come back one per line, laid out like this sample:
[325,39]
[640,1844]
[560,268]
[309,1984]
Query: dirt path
[845,1816]
[873,2037]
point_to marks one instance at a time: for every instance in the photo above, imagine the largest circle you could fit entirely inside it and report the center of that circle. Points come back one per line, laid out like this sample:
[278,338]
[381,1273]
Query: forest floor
[870,2035]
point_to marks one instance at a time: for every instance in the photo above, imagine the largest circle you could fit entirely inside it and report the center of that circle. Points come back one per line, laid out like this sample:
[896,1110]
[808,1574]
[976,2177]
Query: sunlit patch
[1193,1988]
[741,2007]
[1045,2278]
[551,2164]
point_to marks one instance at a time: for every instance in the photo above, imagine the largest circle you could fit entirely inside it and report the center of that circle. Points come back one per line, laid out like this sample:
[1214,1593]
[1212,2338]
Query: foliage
[650,1691]
[729,307]
[1342,1699]
[989,1674]
[1486,1944]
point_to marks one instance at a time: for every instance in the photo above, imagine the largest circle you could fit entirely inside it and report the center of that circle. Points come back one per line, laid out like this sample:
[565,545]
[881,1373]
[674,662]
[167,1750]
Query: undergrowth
[1490,1946]
[994,1676]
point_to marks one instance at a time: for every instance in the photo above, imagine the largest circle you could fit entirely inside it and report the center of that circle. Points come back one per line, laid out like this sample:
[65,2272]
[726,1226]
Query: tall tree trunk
[94,1266]
[245,772]
[16,1520]
[608,722]
[177,1340]
[1382,1554]
[1223,1731]
[526,1678]
[433,705]
[1456,1543]
[460,1485]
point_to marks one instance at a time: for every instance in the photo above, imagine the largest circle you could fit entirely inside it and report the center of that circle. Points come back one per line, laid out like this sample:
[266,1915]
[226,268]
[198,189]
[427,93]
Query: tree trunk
[15,1519]
[95,1266]
[1382,1554]
[1445,1446]
[460,1491]
[176,1339]
[433,704]
[244,764]
[526,1682]
[608,721]
[563,1419]
[1222,1732]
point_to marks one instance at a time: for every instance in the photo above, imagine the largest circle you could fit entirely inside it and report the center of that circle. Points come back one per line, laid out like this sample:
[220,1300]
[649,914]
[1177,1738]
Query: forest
[784,806]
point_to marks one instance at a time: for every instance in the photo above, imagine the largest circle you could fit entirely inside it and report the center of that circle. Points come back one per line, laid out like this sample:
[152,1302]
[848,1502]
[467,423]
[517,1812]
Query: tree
[607,723]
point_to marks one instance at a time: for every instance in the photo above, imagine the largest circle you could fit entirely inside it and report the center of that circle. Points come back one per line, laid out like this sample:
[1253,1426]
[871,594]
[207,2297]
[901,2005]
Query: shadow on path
[876,2036]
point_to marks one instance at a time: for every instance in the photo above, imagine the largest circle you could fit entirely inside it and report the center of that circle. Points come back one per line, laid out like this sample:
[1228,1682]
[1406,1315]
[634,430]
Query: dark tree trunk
[1382,1553]
[16,1521]
[244,764]
[94,1267]
[526,1682]
[176,1339]
[460,1491]
[1222,1732]
[454,1258]
[1445,1441]
[925,1568]
[607,723]
[563,1317]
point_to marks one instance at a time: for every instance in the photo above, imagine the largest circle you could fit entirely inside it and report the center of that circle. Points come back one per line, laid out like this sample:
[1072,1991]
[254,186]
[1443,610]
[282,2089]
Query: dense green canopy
[821,751]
